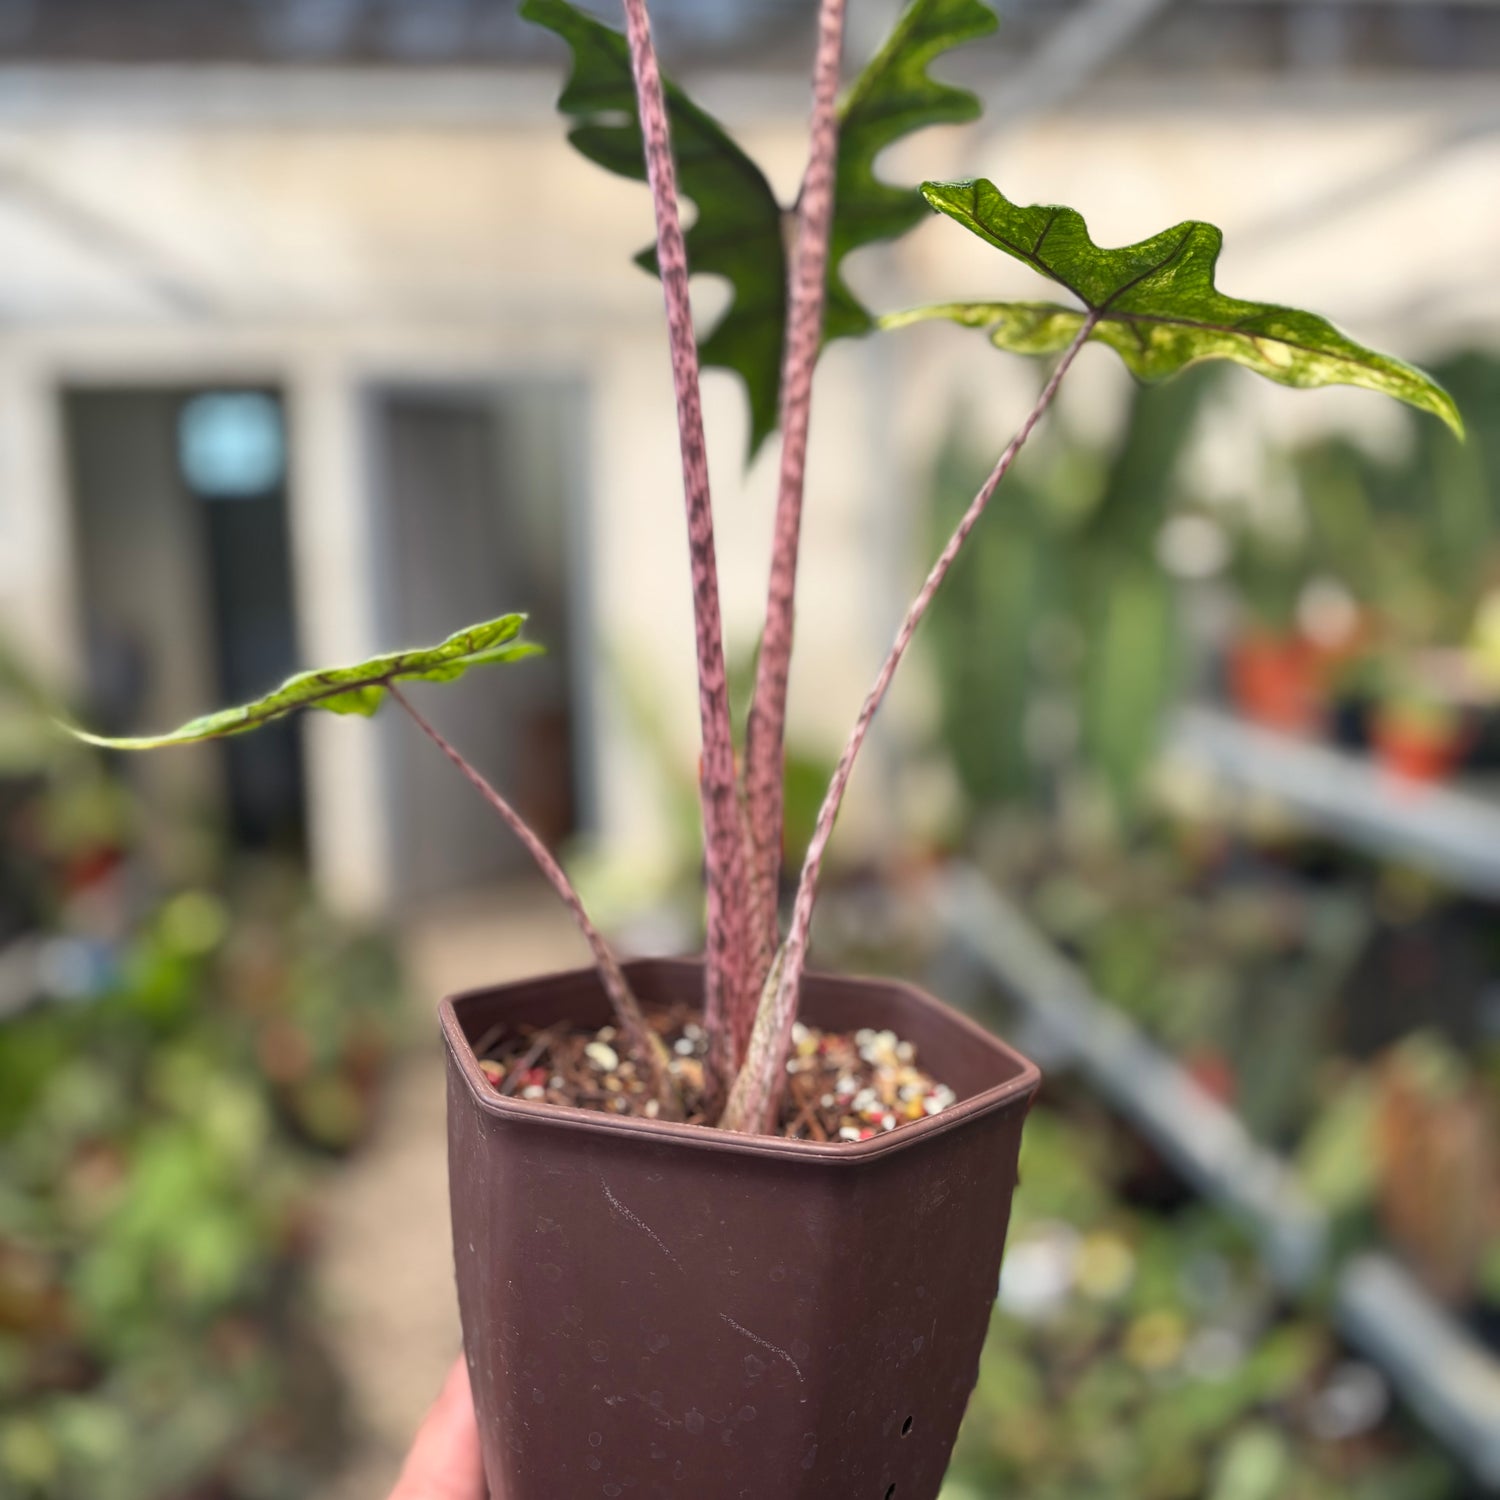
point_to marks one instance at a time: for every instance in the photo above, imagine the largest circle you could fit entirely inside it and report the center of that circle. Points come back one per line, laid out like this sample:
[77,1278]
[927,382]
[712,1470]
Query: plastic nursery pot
[1420,753]
[656,1310]
[1275,681]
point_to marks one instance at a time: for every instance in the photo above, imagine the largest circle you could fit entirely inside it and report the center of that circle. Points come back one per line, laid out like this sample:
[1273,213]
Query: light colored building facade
[439,296]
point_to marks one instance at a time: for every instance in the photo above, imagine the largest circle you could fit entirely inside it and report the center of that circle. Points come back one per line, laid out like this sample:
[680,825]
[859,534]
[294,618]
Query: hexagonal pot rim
[1026,1080]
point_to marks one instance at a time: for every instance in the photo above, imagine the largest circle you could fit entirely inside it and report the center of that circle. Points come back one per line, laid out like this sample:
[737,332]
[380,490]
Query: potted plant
[1273,671]
[722,1228]
[1419,736]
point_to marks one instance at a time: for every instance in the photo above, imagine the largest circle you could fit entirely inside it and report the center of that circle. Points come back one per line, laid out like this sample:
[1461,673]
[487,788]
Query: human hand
[444,1462]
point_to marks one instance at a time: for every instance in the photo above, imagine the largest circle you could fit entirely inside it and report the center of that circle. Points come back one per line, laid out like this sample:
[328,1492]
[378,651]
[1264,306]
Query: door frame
[492,385]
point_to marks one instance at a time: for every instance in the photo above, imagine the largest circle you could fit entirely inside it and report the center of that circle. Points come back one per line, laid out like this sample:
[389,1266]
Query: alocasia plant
[1154,303]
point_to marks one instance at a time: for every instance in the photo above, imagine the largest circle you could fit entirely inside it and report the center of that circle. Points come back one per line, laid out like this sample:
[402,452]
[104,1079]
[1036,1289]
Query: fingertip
[445,1462]
[456,1389]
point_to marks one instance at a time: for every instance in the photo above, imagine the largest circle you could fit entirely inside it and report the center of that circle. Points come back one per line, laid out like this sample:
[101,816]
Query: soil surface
[840,1088]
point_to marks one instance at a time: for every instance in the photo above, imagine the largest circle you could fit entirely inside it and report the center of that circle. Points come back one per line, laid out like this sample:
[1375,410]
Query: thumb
[445,1462]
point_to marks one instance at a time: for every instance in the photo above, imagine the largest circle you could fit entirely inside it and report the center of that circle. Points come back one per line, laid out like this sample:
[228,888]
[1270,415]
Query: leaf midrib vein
[1030,257]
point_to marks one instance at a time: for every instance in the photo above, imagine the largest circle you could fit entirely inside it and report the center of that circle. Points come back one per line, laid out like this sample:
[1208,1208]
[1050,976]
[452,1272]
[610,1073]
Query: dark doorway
[478,505]
[184,564]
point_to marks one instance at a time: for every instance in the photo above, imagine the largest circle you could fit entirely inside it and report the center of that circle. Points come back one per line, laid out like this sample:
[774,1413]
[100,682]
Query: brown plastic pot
[656,1310]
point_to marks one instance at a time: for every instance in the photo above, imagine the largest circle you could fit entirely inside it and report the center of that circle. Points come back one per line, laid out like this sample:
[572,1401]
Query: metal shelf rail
[1451,832]
[1446,1377]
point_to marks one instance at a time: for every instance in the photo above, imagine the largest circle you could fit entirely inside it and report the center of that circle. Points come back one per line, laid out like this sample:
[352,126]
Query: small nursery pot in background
[653,1309]
[1275,680]
[1420,744]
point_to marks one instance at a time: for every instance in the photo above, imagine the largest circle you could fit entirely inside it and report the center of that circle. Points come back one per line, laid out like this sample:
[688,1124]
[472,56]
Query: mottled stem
[727,969]
[766,729]
[756,1095]
[643,1044]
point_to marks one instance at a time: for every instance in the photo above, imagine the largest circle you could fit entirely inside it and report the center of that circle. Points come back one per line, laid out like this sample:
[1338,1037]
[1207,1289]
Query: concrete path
[386,1270]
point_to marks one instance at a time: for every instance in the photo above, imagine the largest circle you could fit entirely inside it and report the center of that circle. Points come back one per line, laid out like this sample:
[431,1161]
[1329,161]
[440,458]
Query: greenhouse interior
[331,327]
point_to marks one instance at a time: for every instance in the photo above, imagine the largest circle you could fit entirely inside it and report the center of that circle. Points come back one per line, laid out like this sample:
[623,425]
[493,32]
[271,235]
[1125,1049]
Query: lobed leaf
[740,231]
[1156,304]
[894,97]
[346,690]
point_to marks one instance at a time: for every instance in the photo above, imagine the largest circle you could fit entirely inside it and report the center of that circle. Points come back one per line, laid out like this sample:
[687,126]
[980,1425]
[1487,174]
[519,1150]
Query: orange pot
[1424,753]
[1277,681]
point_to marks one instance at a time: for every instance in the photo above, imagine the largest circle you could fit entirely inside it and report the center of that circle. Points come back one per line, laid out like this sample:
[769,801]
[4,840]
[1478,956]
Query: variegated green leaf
[1155,304]
[346,690]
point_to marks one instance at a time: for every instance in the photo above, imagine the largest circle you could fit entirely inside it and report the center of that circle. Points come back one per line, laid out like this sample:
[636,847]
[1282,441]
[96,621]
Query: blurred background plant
[1377,593]
[1143,1352]
[1057,644]
[176,1069]
[1356,609]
